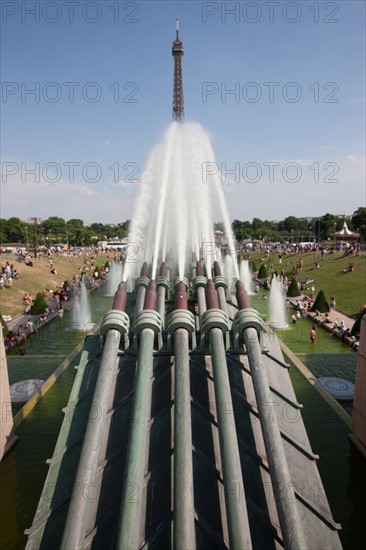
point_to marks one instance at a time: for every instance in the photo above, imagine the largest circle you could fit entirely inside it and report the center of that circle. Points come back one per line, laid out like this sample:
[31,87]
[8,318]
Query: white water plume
[81,310]
[174,210]
[114,278]
[277,304]
[246,276]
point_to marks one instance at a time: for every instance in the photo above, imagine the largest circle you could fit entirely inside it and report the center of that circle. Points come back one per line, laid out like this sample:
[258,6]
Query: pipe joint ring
[117,320]
[247,318]
[180,318]
[198,281]
[142,281]
[214,318]
[220,281]
[148,318]
[162,281]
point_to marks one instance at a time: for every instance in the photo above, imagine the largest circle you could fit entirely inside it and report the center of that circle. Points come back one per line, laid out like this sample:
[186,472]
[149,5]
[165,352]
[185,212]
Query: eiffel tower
[178,102]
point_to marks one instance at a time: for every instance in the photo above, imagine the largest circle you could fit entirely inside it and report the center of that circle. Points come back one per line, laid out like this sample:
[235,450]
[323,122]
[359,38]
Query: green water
[297,335]
[23,471]
[341,466]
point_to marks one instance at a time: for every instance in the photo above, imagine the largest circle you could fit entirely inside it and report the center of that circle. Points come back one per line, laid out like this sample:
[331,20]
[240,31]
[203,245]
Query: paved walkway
[335,316]
[22,318]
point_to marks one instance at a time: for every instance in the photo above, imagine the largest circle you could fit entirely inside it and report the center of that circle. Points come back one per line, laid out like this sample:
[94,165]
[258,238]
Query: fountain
[277,305]
[246,276]
[184,200]
[81,311]
[114,278]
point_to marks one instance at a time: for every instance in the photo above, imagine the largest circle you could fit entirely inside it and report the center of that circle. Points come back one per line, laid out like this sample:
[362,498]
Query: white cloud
[87,192]
[107,142]
[127,183]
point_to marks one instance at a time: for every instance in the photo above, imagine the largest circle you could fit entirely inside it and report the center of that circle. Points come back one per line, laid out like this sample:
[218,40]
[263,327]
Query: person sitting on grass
[350,268]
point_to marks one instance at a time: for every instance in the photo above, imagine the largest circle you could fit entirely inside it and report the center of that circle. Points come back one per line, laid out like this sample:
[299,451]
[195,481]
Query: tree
[320,303]
[263,272]
[3,231]
[39,304]
[15,230]
[74,225]
[257,224]
[357,324]
[242,230]
[54,225]
[327,225]
[359,217]
[125,225]
[293,289]
[290,223]
[359,221]
[82,237]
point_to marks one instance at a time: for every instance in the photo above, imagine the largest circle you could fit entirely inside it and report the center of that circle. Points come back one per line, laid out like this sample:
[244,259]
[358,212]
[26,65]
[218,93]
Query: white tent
[345,233]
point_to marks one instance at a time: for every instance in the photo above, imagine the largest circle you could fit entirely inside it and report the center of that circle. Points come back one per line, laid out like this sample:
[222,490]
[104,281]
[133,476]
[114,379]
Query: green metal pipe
[222,299]
[201,300]
[131,515]
[139,303]
[184,528]
[286,502]
[160,304]
[77,516]
[236,509]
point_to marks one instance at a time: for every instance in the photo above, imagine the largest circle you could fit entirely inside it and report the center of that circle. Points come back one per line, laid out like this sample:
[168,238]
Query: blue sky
[300,152]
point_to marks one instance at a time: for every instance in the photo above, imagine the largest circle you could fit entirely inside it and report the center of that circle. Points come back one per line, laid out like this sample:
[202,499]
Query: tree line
[55,230]
[292,228]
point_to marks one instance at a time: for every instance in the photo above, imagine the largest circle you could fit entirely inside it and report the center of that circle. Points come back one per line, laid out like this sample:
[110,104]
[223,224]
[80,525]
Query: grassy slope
[37,278]
[349,289]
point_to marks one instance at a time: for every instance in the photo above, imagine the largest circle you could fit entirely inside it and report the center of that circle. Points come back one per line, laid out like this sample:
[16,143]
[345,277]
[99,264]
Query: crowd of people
[8,275]
[89,272]
[303,309]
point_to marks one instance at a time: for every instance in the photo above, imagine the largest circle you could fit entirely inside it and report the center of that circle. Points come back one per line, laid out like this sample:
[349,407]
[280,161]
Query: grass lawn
[349,289]
[37,278]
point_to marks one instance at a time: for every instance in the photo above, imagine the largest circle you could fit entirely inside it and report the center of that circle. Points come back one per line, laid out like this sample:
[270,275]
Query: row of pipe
[77,517]
[131,514]
[211,300]
[236,509]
